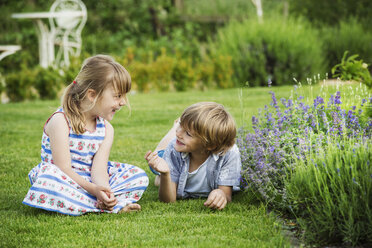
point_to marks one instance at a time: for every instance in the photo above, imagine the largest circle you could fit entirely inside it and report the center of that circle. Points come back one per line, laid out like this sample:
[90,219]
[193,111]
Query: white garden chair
[8,50]
[66,27]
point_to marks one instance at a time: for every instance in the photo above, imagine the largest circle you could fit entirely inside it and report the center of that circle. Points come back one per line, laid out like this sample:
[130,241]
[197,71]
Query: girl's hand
[156,162]
[105,198]
[216,199]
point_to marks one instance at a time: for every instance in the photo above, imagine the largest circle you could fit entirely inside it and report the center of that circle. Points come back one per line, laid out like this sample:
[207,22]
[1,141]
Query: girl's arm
[58,132]
[167,188]
[99,168]
[100,160]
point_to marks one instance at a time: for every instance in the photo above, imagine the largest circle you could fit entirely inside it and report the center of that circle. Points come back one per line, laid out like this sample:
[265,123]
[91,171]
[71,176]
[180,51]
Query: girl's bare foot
[132,207]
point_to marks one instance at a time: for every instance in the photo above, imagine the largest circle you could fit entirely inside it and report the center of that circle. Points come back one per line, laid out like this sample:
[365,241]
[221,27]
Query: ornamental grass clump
[330,193]
[287,131]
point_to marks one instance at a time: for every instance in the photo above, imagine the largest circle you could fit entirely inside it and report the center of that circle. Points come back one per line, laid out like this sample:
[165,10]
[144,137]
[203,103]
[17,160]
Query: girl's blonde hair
[210,122]
[97,73]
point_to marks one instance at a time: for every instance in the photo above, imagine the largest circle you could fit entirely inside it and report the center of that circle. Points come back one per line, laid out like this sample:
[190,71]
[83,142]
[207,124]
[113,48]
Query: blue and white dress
[53,190]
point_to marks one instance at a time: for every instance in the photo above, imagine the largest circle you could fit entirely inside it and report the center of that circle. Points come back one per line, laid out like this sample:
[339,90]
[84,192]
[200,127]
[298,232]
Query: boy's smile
[188,142]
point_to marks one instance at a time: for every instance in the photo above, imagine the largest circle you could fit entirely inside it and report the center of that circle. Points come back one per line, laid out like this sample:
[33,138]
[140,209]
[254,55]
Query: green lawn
[243,223]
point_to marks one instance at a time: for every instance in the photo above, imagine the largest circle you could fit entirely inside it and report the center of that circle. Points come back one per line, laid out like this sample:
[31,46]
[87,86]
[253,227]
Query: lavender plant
[287,131]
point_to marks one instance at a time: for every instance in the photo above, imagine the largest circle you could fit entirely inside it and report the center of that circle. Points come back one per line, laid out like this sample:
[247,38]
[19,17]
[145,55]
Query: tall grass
[331,193]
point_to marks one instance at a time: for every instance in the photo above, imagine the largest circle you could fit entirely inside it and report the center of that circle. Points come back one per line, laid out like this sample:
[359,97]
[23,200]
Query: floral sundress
[53,190]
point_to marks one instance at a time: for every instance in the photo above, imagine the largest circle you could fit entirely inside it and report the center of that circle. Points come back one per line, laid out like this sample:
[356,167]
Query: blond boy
[200,157]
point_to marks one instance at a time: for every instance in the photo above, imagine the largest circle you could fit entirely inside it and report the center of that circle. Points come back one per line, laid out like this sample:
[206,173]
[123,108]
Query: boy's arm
[229,175]
[219,198]
[167,188]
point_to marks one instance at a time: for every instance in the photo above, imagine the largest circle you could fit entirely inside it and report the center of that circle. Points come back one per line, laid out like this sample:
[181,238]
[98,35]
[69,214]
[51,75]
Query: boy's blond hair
[210,122]
[97,73]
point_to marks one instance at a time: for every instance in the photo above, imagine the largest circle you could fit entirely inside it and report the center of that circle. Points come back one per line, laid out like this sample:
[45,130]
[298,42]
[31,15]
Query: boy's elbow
[167,199]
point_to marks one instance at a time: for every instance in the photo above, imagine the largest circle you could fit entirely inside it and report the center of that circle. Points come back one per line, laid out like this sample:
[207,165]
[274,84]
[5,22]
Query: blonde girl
[74,176]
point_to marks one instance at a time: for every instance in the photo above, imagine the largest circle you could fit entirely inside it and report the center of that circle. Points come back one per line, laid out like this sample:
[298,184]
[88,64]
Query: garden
[297,80]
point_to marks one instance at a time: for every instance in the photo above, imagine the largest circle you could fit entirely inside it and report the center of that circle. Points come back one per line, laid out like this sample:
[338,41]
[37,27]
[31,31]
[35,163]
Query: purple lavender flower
[282,138]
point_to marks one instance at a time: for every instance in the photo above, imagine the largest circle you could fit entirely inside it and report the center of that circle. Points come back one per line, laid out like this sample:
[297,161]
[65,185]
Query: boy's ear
[91,95]
[211,148]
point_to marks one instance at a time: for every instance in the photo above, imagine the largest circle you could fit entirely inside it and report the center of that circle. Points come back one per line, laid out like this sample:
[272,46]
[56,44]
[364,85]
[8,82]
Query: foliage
[20,86]
[223,71]
[37,82]
[331,12]
[293,131]
[277,49]
[350,36]
[173,71]
[48,82]
[183,74]
[352,69]
[331,192]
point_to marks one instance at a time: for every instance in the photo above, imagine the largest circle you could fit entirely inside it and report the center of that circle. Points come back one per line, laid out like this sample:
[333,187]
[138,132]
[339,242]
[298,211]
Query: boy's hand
[156,162]
[216,199]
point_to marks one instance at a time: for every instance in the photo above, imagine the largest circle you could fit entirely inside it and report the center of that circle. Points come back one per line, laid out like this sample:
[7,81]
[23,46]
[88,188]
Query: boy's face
[187,141]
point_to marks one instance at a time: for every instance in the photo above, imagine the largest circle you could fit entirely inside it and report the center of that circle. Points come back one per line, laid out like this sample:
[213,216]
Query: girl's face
[109,103]
[188,142]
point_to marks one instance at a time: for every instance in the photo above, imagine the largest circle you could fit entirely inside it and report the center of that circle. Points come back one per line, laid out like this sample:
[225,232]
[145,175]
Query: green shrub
[331,192]
[277,49]
[348,36]
[205,74]
[223,71]
[161,71]
[352,69]
[21,85]
[183,74]
[48,82]
[331,12]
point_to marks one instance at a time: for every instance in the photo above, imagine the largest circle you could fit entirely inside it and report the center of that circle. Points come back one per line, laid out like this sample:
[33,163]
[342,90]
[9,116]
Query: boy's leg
[168,137]
[162,145]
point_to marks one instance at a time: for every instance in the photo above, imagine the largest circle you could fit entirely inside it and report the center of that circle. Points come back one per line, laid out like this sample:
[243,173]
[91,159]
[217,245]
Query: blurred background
[178,45]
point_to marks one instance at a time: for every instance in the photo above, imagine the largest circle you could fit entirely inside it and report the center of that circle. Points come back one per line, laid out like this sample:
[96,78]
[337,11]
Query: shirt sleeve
[174,161]
[230,169]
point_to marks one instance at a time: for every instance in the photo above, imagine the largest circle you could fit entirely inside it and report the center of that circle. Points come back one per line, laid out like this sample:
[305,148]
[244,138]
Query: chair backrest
[71,15]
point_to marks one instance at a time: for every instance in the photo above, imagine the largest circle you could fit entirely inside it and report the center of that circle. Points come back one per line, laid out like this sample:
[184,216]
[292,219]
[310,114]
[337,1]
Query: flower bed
[312,163]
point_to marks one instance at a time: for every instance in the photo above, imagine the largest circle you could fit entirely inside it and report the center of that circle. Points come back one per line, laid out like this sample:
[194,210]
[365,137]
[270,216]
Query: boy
[201,160]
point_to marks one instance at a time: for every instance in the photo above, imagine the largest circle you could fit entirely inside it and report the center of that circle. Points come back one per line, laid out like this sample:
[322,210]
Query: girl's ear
[91,95]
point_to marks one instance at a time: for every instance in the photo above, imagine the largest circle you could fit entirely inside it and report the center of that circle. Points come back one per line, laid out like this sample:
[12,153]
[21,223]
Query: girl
[75,176]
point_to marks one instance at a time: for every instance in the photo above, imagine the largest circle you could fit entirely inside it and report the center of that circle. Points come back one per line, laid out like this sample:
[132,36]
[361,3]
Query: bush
[352,69]
[331,193]
[348,36]
[174,71]
[293,134]
[48,82]
[331,12]
[223,71]
[21,86]
[278,49]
